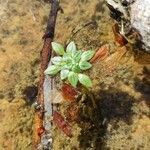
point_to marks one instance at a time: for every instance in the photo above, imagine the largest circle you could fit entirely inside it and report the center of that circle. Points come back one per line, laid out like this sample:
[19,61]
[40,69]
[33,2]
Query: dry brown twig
[45,58]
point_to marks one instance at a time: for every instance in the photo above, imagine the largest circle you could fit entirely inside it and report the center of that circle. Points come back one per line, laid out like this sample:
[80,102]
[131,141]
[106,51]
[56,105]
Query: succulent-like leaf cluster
[70,63]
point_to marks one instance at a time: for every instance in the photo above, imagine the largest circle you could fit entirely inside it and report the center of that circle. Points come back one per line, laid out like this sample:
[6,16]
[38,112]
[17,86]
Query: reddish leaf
[69,93]
[62,124]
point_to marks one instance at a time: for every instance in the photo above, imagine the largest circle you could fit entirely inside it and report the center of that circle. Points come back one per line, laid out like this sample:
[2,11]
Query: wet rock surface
[140,20]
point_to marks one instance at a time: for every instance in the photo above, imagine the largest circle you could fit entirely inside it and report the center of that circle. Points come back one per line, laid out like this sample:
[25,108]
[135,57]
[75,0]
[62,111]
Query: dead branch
[45,58]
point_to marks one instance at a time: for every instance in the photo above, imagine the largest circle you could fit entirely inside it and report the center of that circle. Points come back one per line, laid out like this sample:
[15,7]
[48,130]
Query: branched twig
[75,31]
[45,58]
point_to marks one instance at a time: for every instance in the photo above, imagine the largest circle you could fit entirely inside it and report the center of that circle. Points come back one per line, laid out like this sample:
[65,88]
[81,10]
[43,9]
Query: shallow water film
[113,115]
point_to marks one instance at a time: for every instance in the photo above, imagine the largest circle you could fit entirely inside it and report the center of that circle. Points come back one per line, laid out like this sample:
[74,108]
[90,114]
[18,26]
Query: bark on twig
[45,58]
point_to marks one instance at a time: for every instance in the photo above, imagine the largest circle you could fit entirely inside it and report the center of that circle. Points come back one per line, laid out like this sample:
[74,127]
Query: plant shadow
[111,106]
[143,85]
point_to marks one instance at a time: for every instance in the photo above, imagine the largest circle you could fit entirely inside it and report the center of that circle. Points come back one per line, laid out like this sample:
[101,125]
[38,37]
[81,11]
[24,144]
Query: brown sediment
[19,69]
[45,58]
[72,112]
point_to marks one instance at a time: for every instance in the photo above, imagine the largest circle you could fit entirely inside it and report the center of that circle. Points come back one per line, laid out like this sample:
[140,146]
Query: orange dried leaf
[101,54]
[120,39]
[111,63]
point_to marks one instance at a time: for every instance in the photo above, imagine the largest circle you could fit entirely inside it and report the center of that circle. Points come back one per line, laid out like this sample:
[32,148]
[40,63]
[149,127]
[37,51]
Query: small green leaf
[58,48]
[69,64]
[71,48]
[64,74]
[67,60]
[52,70]
[76,68]
[56,60]
[66,65]
[85,80]
[66,57]
[84,65]
[87,55]
[77,56]
[73,78]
